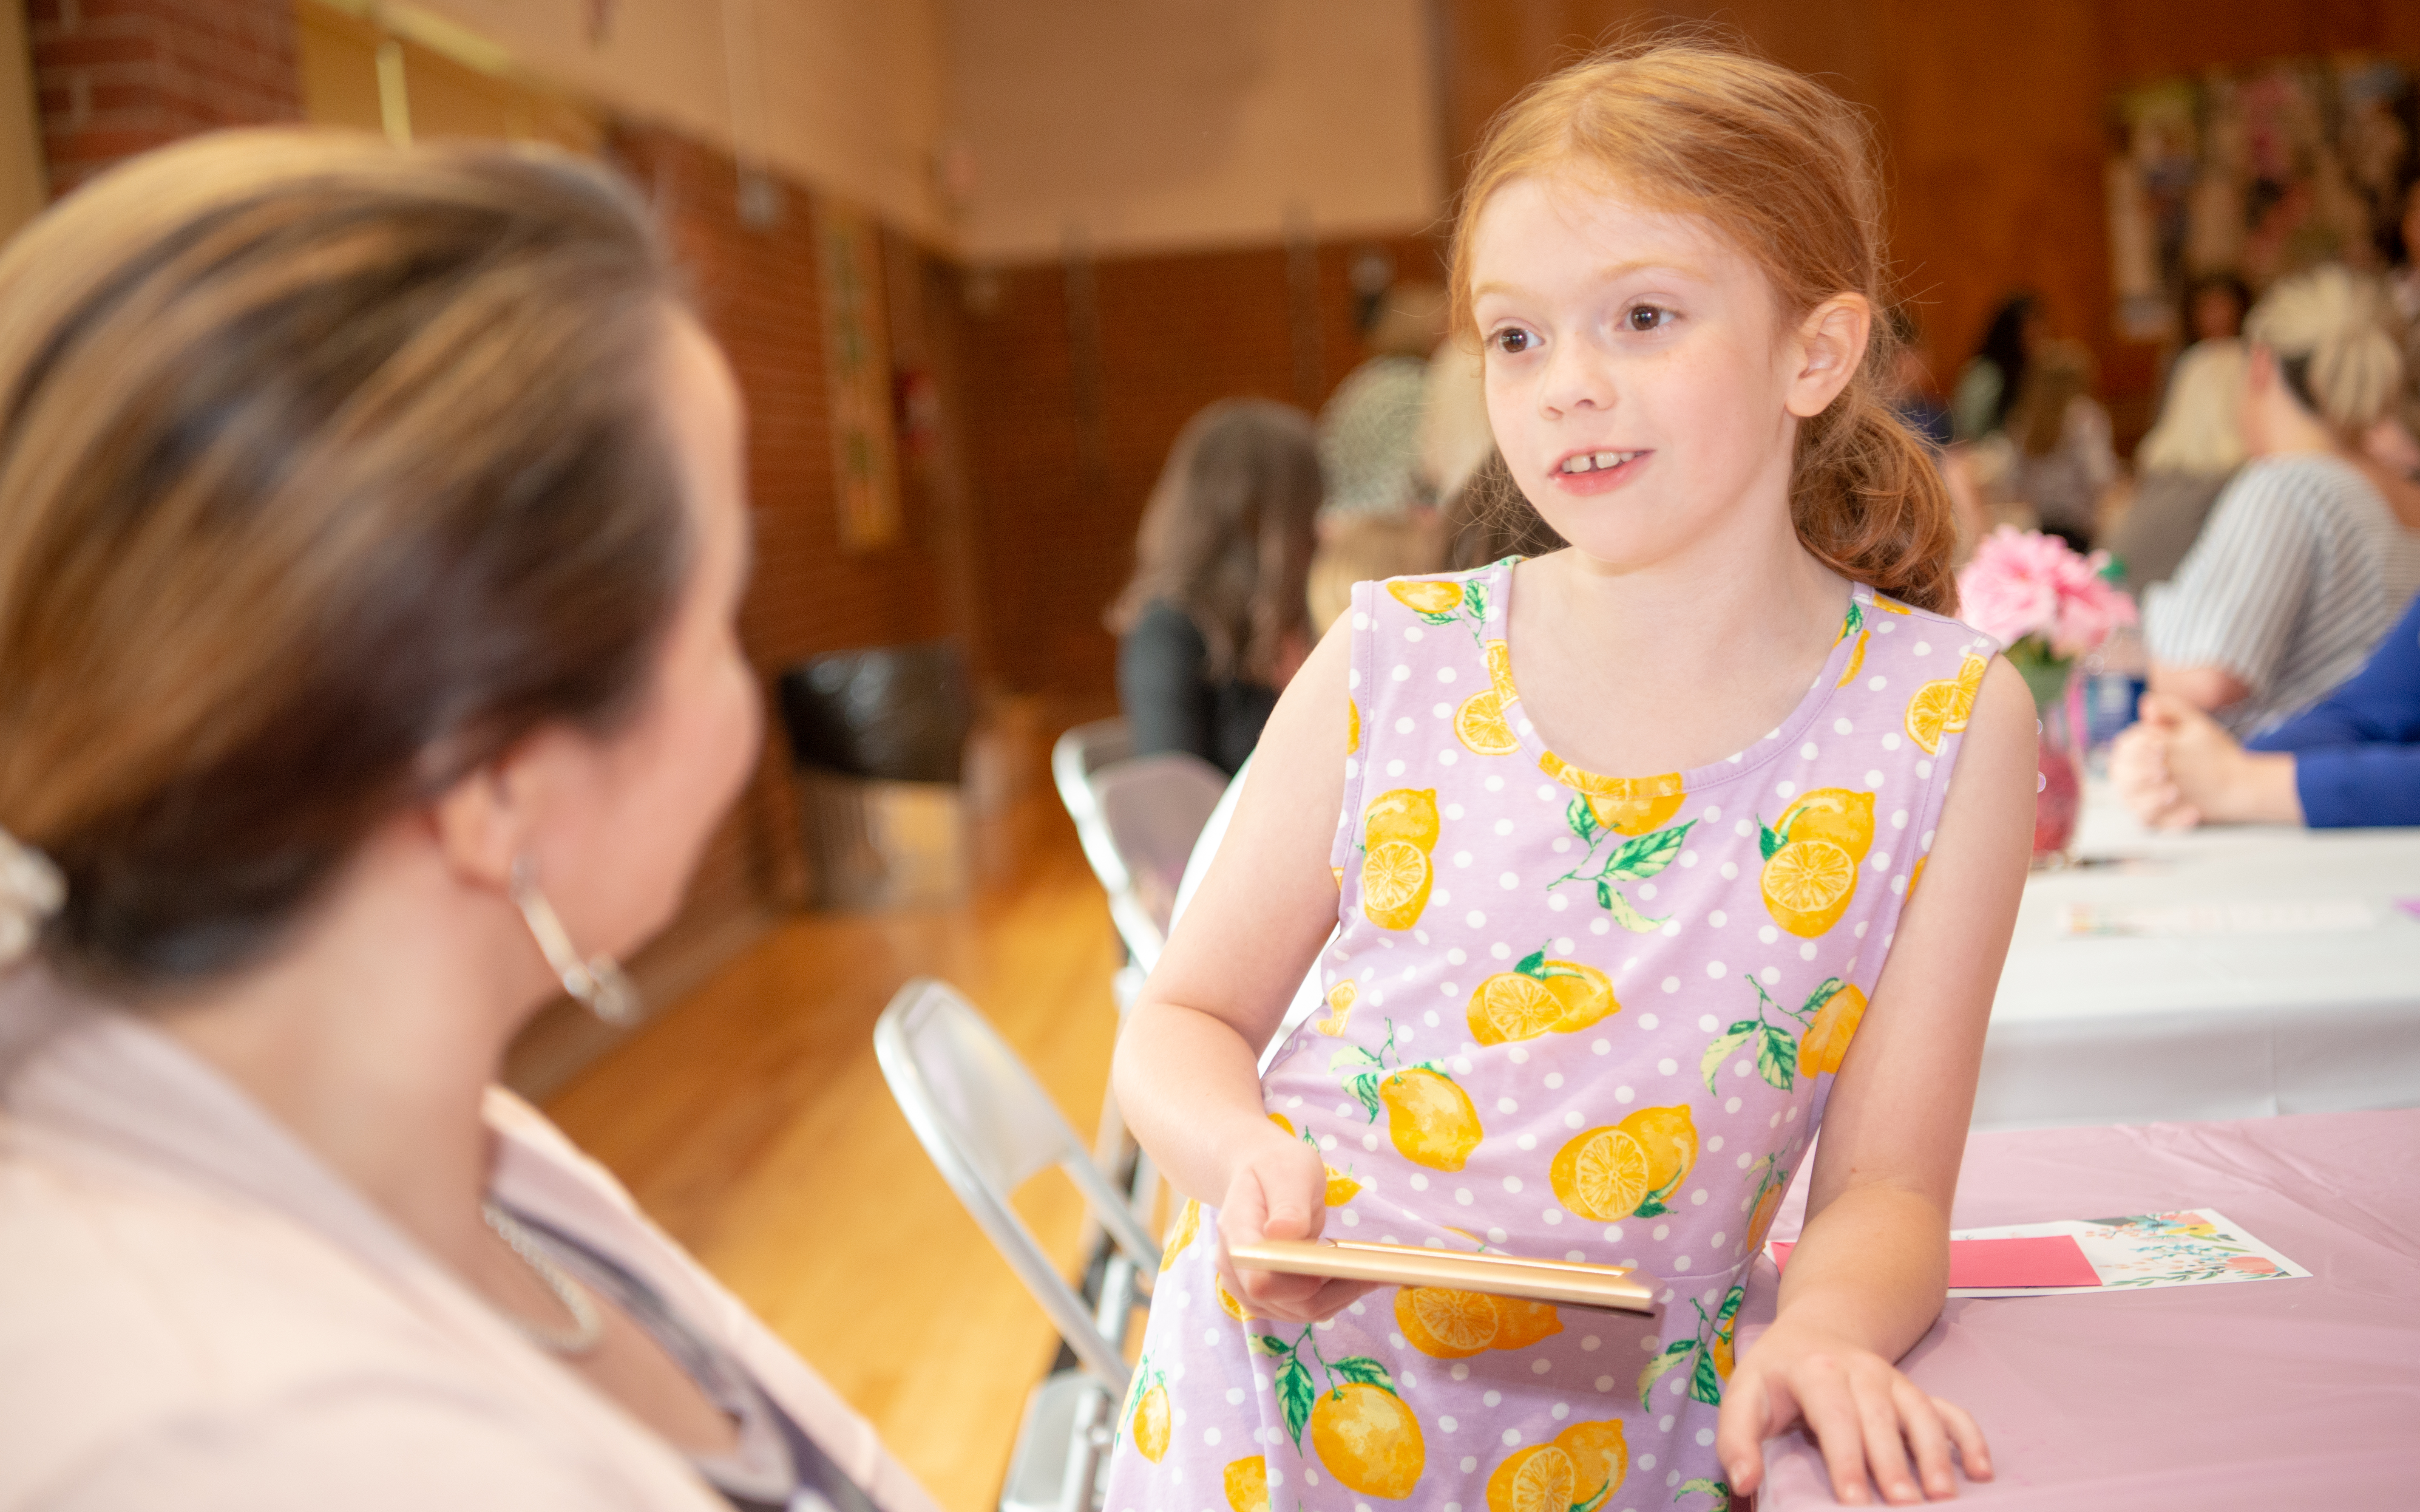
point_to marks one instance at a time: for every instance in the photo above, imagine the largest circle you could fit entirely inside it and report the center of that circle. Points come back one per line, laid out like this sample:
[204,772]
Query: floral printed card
[2144,1251]
[2140,1253]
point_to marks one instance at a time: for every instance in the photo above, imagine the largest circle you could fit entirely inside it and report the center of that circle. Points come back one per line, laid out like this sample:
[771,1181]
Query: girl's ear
[1829,345]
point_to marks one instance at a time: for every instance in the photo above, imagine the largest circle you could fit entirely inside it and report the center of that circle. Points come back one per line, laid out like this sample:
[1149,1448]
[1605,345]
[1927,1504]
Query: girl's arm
[1186,1072]
[1871,1270]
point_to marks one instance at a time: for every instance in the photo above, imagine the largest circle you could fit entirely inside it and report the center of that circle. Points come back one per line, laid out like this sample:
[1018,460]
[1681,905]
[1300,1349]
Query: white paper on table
[2340,916]
[2197,1247]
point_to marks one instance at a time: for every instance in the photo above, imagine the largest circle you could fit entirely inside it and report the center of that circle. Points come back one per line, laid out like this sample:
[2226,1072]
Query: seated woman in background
[2057,458]
[2353,759]
[2183,463]
[1989,383]
[2302,564]
[1214,621]
[371,533]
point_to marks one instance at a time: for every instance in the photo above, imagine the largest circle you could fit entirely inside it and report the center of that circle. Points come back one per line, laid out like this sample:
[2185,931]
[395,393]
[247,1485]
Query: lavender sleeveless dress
[1569,1015]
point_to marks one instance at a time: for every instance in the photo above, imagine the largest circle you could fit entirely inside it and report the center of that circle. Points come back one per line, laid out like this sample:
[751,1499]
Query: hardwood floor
[752,1121]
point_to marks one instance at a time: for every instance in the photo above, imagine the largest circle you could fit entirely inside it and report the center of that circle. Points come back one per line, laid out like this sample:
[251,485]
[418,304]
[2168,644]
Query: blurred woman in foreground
[371,530]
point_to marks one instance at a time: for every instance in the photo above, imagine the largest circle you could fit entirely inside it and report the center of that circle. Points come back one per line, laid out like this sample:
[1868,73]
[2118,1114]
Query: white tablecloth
[2105,1029]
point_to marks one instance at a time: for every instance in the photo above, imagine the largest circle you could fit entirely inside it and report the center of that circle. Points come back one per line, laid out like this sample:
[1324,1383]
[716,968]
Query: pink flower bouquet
[2025,585]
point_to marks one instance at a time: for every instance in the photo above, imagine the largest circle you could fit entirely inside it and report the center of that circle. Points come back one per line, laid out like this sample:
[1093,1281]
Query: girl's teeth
[1597,460]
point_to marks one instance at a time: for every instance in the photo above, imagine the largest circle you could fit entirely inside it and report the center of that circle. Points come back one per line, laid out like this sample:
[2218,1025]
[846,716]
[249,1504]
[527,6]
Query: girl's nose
[1573,380]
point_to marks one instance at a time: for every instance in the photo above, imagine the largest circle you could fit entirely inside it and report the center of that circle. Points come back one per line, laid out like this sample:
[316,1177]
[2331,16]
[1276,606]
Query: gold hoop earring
[597,982]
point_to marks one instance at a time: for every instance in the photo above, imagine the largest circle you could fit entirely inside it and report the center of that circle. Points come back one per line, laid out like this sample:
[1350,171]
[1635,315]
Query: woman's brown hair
[1785,170]
[327,473]
[1227,534]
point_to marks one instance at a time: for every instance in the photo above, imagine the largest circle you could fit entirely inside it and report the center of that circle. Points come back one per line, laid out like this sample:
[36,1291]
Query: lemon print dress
[1569,1015]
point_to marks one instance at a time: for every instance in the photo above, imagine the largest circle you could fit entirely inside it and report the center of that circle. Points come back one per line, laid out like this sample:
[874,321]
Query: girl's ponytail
[1868,501]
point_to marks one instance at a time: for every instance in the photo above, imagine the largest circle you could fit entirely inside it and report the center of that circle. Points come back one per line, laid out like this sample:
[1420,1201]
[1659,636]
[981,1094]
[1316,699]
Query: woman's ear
[491,817]
[1830,343]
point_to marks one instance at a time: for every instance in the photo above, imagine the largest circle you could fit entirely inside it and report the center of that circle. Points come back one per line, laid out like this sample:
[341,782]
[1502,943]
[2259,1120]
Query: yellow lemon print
[1152,1422]
[1916,874]
[1446,1324]
[1228,1302]
[1180,1233]
[1395,878]
[1369,1440]
[1352,727]
[1602,1174]
[1338,873]
[1247,1484]
[1283,1121]
[1841,815]
[1430,1120]
[1480,724]
[1626,805]
[1427,597]
[1930,712]
[1342,1188]
[1406,814]
[1807,885]
[1537,996]
[1499,669]
[1891,605]
[1856,661]
[1520,1323]
[1826,1039]
[1339,1007]
[1669,1136]
[1541,1478]
[1720,1351]
[1600,1456]
[1760,1220]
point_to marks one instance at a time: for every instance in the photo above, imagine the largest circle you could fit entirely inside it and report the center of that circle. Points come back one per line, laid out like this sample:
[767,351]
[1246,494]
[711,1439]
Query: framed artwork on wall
[857,366]
[2255,173]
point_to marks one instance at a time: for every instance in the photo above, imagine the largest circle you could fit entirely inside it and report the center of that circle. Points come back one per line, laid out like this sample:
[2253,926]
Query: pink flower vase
[2058,796]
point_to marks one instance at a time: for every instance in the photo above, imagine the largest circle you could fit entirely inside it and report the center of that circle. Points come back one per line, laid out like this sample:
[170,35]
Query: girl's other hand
[1869,1419]
[1280,1192]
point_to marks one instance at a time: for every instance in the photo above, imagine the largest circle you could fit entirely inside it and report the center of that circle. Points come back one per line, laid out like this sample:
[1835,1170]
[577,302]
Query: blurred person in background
[1380,520]
[2215,305]
[372,531]
[2057,459]
[2352,759]
[2309,552]
[1989,383]
[1212,623]
[2183,463]
[1911,383]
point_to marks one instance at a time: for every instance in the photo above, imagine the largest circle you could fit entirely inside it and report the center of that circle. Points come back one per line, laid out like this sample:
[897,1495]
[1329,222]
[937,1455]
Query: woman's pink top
[1569,1016]
[196,1313]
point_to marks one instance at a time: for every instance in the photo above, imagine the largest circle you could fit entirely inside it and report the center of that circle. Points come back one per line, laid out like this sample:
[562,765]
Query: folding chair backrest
[1073,757]
[988,1127]
[1154,808]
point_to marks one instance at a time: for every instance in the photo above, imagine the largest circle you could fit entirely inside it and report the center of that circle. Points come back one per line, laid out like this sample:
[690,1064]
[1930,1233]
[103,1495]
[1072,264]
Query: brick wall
[756,291]
[1058,498]
[118,77]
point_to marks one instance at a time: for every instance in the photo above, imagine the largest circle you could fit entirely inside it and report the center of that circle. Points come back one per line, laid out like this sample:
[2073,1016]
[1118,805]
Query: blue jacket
[2357,752]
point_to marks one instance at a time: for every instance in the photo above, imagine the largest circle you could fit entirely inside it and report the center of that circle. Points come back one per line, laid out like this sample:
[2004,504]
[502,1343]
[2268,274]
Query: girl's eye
[1513,339]
[1646,317]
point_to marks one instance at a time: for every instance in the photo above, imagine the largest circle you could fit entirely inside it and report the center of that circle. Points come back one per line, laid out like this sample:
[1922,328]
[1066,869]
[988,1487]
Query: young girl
[1574,1014]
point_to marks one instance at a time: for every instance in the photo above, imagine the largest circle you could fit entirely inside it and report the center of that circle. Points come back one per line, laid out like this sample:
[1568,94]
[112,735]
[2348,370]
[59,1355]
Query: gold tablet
[1565,1283]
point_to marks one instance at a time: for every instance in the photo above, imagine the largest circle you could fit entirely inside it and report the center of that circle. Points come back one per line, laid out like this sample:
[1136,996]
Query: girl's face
[1639,387]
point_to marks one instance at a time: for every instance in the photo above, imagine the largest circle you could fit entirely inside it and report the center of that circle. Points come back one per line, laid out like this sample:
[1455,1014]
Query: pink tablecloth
[2301,1393]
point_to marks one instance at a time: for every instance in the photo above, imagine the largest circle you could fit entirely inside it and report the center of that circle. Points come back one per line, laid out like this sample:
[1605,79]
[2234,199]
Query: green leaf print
[1705,1383]
[1643,857]
[1624,914]
[1365,1088]
[1769,839]
[1581,815]
[1729,1310]
[1474,599]
[1447,617]
[1673,1355]
[1269,1344]
[1777,1058]
[1720,1490]
[1721,1049]
[1296,1396]
[1362,1368]
[1595,1500]
[1854,622]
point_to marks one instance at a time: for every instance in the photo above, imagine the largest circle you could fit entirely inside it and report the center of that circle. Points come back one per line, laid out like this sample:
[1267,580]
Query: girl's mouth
[1593,473]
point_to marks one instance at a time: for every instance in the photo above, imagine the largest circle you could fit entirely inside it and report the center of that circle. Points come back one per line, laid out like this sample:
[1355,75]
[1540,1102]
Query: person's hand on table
[1280,1191]
[2178,768]
[1869,1419]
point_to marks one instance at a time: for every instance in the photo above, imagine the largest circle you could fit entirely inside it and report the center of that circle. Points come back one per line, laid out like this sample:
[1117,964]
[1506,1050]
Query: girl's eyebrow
[1605,275]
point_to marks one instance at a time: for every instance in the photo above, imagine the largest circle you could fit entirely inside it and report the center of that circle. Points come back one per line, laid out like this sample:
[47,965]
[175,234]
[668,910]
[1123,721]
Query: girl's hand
[1280,1191]
[1865,1414]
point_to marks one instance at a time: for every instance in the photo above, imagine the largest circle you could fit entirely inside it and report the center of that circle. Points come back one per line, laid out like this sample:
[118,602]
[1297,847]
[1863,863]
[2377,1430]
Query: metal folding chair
[989,1128]
[1153,808]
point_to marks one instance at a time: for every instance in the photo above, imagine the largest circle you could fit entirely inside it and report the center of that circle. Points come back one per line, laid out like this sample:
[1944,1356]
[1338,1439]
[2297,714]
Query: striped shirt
[2300,573]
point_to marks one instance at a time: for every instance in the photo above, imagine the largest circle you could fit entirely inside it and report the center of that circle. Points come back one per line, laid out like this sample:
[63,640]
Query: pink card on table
[2043,1261]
